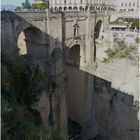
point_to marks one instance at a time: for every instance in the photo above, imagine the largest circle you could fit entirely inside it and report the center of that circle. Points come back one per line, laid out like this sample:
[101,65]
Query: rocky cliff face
[115,113]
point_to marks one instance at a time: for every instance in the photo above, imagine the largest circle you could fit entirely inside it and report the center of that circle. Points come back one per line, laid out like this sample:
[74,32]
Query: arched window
[126,4]
[60,8]
[91,7]
[76,28]
[75,8]
[86,8]
[81,8]
[133,3]
[129,3]
[51,8]
[65,8]
[70,8]
[97,29]
[122,4]
[96,35]
[55,8]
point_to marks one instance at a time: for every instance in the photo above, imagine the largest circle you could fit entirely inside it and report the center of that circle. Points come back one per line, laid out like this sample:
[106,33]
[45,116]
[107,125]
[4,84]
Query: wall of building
[131,5]
[78,5]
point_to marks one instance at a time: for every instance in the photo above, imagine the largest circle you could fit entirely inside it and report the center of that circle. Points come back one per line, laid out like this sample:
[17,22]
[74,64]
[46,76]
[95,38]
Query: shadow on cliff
[102,112]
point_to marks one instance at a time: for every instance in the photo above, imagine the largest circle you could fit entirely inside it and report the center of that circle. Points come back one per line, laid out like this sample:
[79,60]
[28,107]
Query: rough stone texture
[116,118]
[104,108]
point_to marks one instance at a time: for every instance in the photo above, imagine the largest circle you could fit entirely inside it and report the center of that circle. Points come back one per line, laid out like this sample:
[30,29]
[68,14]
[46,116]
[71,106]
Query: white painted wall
[126,5]
[56,4]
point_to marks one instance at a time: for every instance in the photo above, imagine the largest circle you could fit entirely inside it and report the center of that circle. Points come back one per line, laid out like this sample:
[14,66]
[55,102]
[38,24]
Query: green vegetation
[40,6]
[121,51]
[26,5]
[135,23]
[117,22]
[20,80]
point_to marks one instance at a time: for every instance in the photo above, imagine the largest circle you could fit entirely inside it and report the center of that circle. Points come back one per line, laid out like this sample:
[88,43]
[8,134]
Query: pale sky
[13,2]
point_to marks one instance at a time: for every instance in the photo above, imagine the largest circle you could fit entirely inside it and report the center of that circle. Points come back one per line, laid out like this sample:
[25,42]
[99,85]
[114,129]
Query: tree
[19,81]
[26,5]
[40,6]
[135,23]
[18,8]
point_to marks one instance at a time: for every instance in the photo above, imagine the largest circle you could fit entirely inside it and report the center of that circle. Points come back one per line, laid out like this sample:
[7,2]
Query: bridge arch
[32,43]
[75,82]
[73,58]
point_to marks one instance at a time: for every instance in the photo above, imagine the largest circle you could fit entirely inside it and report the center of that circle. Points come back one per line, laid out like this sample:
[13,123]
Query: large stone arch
[32,42]
[21,27]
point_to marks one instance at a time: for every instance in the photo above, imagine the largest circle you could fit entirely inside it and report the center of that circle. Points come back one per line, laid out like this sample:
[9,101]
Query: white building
[39,1]
[126,5]
[78,5]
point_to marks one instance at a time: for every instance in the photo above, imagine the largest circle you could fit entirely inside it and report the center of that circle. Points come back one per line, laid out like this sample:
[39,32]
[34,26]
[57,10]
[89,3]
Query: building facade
[83,5]
[40,1]
[78,5]
[126,5]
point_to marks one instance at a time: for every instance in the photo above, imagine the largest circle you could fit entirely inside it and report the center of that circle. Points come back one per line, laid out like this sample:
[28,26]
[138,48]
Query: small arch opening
[70,8]
[91,8]
[81,8]
[86,8]
[75,8]
[55,8]
[60,8]
[74,56]
[65,8]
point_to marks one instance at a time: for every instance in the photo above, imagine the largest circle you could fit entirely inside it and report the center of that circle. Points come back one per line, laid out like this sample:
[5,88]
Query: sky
[13,2]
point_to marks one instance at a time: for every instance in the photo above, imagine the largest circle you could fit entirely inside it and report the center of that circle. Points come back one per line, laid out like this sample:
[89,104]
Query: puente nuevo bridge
[69,47]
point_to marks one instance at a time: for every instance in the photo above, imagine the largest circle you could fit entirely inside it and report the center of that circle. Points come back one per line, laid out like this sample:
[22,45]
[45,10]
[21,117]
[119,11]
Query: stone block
[129,99]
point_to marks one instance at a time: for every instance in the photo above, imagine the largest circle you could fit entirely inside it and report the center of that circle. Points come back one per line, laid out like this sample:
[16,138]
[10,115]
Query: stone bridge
[64,45]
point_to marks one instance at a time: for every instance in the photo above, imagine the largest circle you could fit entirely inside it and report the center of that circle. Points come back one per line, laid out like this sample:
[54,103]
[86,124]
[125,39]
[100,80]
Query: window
[65,1]
[122,3]
[74,32]
[133,3]
[125,4]
[129,3]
